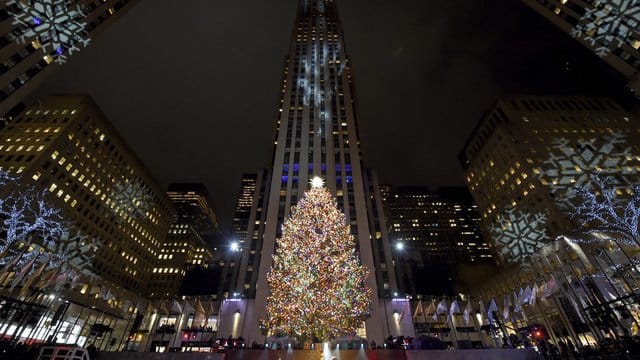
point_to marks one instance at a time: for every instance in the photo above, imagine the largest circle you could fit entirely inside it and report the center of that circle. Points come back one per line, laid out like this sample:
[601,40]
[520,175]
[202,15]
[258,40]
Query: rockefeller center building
[34,43]
[609,28]
[316,135]
[66,145]
[529,153]
[191,240]
[433,232]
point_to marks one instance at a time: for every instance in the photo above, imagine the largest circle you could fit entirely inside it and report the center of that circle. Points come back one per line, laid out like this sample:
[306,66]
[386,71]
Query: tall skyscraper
[609,28]
[432,232]
[529,152]
[66,145]
[316,135]
[33,40]
[190,240]
[248,231]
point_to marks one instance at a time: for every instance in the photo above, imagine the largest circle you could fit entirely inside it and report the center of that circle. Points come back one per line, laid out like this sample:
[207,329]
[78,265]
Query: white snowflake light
[571,162]
[608,24]
[519,234]
[131,198]
[54,23]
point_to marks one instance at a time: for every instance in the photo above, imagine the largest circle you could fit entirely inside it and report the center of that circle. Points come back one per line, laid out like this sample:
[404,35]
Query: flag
[199,308]
[466,313]
[32,278]
[526,297]
[441,309]
[188,308]
[176,307]
[455,308]
[104,292]
[534,294]
[61,279]
[517,302]
[550,287]
[431,308]
[482,311]
[10,264]
[25,270]
[47,278]
[419,313]
[507,303]
[493,307]
[163,308]
[521,296]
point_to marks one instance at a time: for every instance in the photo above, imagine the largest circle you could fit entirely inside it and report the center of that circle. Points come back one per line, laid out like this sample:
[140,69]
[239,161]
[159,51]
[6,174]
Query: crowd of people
[193,329]
[625,348]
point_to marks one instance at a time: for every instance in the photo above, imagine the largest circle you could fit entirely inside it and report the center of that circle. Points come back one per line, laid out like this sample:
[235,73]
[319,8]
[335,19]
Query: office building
[67,146]
[609,28]
[316,135]
[432,232]
[190,241]
[528,153]
[33,42]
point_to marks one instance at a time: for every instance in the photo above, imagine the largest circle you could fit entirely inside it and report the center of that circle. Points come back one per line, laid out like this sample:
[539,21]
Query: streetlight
[399,246]
[235,247]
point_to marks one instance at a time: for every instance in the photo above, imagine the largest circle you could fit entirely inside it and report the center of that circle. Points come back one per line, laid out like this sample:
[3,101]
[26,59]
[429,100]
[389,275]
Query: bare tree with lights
[37,239]
[26,216]
[317,284]
[603,207]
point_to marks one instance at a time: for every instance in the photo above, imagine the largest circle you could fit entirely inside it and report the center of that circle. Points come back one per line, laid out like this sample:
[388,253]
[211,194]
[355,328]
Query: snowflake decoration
[571,162]
[519,234]
[53,23]
[608,25]
[131,198]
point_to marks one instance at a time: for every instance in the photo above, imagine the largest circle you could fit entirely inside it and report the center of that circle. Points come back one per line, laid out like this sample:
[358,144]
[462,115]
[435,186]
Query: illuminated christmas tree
[317,284]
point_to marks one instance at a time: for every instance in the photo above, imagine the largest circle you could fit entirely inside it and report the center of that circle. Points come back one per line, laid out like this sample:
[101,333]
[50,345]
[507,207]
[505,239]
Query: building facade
[432,232]
[34,42]
[527,155]
[316,135]
[116,215]
[190,240]
[66,145]
[609,28]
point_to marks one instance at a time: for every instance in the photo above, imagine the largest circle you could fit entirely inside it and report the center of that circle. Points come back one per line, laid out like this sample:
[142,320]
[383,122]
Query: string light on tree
[317,284]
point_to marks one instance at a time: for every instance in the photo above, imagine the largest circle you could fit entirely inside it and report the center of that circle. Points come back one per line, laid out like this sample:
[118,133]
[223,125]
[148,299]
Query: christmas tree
[317,284]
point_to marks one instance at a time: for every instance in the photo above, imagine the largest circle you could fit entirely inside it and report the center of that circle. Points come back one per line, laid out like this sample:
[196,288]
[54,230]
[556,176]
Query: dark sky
[193,86]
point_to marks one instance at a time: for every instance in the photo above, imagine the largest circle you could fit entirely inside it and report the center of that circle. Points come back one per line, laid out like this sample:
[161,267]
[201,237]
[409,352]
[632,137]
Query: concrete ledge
[480,354]
[485,354]
[158,356]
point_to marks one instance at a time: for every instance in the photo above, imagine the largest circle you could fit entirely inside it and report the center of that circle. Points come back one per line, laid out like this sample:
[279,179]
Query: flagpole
[455,333]
[478,329]
[592,327]
[618,292]
[493,330]
[563,316]
[126,333]
[615,317]
[550,330]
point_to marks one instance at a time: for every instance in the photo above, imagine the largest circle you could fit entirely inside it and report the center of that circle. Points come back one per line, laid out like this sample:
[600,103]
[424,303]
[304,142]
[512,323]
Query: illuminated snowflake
[519,234]
[571,162]
[131,198]
[54,23]
[609,24]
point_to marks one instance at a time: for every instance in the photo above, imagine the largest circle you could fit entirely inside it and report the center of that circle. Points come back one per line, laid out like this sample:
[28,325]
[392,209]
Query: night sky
[194,89]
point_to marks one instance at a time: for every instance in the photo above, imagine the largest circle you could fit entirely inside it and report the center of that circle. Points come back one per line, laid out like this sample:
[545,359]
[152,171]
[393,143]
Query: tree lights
[317,284]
